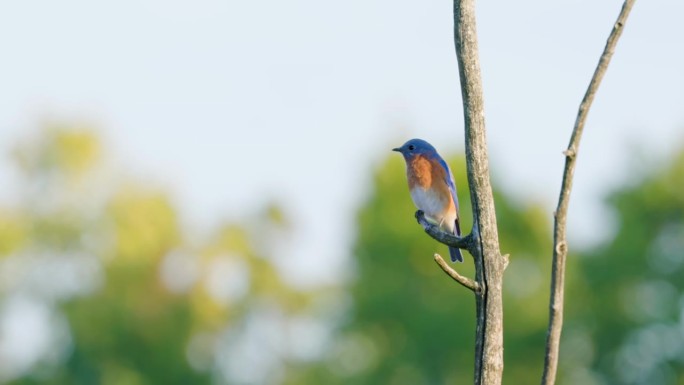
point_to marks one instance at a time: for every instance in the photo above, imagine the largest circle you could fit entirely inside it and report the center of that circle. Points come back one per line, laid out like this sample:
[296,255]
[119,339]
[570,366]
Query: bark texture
[560,248]
[489,264]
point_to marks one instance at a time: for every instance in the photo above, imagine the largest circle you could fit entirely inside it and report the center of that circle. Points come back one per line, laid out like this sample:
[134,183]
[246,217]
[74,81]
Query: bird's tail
[455,254]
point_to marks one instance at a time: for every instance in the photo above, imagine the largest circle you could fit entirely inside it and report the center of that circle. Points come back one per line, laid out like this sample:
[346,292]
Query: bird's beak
[397,149]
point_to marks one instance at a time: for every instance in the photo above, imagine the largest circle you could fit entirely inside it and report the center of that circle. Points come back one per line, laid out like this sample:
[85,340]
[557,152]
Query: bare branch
[465,281]
[436,233]
[489,265]
[560,249]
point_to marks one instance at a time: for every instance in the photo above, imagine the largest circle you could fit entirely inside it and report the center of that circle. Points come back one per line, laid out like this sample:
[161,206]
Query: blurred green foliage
[635,315]
[133,299]
[143,303]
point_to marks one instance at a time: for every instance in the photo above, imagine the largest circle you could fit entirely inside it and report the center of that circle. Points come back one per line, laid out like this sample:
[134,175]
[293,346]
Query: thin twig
[560,249]
[465,281]
[435,232]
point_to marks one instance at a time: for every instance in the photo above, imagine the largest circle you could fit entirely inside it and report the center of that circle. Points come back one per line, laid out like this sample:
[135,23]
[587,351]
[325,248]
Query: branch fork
[466,243]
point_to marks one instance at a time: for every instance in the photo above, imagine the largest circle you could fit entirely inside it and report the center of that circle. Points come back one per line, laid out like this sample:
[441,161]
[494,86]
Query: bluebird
[432,187]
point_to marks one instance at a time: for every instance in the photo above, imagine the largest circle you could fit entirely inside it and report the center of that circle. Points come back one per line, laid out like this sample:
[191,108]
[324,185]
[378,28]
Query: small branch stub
[561,247]
[465,281]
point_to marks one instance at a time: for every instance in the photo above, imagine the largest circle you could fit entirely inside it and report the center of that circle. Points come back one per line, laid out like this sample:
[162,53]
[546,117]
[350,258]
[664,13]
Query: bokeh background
[203,193]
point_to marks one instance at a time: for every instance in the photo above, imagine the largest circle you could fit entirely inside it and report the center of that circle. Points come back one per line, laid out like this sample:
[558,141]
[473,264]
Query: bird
[432,187]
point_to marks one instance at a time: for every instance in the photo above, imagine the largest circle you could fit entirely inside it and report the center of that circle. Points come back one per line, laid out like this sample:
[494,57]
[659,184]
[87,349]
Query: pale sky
[231,103]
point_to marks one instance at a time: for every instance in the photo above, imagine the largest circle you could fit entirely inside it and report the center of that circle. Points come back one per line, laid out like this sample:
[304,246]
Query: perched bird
[432,187]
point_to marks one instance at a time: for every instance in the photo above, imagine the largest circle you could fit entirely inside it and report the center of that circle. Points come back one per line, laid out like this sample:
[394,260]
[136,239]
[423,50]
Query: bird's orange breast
[419,172]
[430,176]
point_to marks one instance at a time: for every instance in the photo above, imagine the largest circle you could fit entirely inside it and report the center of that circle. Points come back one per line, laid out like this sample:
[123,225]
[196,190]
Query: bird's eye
[411,147]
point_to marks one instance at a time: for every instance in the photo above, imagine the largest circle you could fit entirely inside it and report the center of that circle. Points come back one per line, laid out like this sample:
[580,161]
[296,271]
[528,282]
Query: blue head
[416,147]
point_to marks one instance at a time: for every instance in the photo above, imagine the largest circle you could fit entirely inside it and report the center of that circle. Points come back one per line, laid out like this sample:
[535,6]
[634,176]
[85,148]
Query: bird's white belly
[434,208]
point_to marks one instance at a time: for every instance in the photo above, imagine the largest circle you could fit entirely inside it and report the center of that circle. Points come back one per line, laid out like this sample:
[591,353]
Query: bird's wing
[449,179]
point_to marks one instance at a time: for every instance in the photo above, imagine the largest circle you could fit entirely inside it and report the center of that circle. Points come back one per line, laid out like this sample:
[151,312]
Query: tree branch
[489,265]
[560,249]
[436,233]
[465,281]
